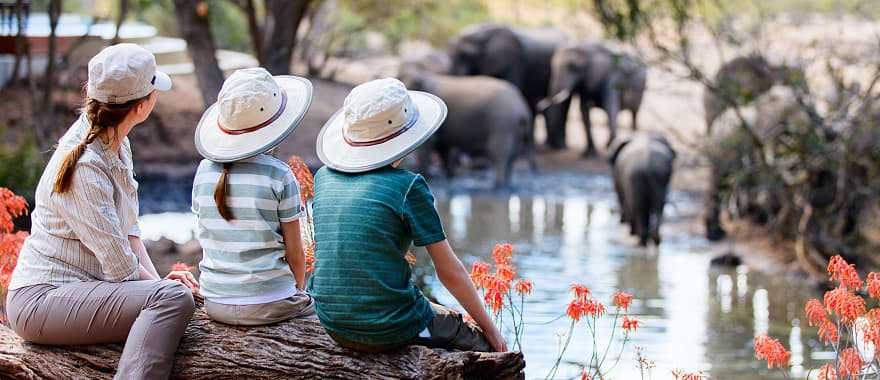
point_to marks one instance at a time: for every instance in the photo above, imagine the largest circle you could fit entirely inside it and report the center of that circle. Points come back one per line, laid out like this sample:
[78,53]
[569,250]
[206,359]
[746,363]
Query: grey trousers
[297,306]
[149,316]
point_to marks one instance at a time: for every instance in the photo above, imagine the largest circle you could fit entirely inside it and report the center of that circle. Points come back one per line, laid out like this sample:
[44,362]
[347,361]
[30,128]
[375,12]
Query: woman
[83,275]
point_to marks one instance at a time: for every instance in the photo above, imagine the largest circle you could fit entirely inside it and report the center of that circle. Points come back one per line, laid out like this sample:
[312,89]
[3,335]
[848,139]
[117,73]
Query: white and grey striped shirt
[82,235]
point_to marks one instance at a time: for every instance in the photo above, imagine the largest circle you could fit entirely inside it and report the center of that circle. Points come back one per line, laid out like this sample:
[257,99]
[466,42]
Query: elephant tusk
[556,99]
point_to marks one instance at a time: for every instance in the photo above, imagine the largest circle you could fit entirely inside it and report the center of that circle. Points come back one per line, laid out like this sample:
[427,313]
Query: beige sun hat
[380,122]
[255,111]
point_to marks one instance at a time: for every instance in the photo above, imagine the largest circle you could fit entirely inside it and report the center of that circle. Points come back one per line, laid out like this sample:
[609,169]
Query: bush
[21,166]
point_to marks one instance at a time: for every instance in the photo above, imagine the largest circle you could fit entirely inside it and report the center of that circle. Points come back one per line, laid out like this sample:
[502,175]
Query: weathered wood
[293,349]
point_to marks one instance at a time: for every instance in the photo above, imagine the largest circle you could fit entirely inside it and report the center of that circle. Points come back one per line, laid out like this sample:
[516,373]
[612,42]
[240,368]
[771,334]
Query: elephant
[730,150]
[600,77]
[487,118]
[641,167]
[518,56]
[741,80]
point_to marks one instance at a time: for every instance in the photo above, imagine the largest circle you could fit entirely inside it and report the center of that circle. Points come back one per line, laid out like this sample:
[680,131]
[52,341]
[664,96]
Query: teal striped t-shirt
[364,225]
[243,259]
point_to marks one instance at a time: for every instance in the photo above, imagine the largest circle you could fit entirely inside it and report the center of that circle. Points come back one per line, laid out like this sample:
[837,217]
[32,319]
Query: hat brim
[163,81]
[336,153]
[218,146]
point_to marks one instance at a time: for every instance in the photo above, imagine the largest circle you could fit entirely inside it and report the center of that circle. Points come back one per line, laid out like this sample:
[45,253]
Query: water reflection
[694,317]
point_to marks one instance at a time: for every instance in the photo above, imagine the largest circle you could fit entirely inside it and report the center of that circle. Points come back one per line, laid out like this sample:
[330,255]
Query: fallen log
[292,349]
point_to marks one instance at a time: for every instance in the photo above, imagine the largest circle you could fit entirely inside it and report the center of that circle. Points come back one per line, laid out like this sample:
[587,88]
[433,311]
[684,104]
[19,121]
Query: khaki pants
[296,306]
[149,316]
[448,330]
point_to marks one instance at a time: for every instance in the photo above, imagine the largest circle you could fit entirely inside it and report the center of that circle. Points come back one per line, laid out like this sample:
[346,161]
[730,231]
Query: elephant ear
[615,148]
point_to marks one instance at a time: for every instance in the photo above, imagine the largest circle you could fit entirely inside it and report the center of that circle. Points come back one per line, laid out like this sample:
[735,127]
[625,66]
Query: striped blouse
[82,234]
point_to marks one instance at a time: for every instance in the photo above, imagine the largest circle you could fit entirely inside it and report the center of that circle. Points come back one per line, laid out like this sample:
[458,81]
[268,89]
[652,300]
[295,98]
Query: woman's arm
[293,251]
[455,278]
[147,269]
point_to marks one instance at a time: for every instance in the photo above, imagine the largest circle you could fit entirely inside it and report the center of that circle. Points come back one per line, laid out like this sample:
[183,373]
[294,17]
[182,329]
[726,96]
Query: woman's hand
[186,278]
[496,340]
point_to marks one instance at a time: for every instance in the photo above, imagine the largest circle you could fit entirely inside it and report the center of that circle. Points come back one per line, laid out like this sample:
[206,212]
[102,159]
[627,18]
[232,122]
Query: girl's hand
[186,278]
[496,340]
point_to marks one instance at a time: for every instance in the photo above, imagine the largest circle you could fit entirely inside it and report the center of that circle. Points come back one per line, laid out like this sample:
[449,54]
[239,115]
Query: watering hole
[565,230]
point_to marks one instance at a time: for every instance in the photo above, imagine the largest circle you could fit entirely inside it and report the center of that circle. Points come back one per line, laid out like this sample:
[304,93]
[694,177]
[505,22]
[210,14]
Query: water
[565,230]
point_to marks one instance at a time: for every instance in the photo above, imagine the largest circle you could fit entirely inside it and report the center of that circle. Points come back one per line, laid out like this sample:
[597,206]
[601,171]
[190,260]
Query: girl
[248,202]
[83,276]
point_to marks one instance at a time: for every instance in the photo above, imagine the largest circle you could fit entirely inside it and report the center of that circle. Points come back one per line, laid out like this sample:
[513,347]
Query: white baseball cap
[254,112]
[124,72]
[380,122]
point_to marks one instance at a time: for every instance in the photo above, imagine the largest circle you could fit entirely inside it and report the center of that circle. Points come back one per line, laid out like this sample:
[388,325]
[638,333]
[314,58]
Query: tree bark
[279,33]
[293,349]
[120,18]
[195,27]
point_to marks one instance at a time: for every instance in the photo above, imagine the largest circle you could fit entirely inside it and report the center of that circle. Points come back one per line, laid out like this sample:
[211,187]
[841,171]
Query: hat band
[406,126]
[261,125]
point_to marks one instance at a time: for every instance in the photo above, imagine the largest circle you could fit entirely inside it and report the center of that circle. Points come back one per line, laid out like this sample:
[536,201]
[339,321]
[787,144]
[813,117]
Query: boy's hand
[496,340]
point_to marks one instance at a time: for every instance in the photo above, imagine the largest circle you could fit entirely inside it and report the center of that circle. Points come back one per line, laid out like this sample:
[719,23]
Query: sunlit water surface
[565,230]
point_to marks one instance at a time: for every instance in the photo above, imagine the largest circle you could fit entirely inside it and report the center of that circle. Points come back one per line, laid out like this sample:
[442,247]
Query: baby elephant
[642,166]
[488,118]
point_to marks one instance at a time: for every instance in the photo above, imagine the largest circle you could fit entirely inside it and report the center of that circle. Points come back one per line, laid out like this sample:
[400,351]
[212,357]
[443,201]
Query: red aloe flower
[523,286]
[11,206]
[479,274]
[845,304]
[505,272]
[874,284]
[769,349]
[629,324]
[594,308]
[581,292]
[310,257]
[502,253]
[850,363]
[575,309]
[815,312]
[179,266]
[494,299]
[827,372]
[828,332]
[680,374]
[621,300]
[303,177]
[844,273]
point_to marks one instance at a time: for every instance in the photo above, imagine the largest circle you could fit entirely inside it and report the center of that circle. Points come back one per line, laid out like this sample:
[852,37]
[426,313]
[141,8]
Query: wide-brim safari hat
[255,111]
[380,122]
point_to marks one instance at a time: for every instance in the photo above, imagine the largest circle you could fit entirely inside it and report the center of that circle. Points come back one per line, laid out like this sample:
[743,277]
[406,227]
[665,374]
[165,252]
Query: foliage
[503,291]
[808,164]
[228,22]
[11,206]
[20,166]
[306,182]
[398,20]
[845,325]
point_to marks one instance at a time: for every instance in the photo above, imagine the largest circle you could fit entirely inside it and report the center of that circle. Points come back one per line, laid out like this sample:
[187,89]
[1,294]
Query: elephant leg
[635,118]
[621,198]
[503,148]
[555,119]
[611,104]
[588,125]
[714,231]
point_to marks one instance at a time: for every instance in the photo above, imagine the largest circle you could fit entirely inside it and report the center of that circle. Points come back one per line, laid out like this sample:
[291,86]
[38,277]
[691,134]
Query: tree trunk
[294,349]
[279,33]
[256,33]
[195,27]
[20,21]
[120,18]
[46,120]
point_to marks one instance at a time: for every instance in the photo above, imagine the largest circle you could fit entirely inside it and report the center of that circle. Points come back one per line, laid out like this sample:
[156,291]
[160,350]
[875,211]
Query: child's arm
[455,278]
[293,251]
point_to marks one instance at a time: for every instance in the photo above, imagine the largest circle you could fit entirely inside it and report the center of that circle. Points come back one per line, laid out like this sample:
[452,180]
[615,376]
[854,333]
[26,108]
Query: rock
[292,349]
[727,260]
[166,253]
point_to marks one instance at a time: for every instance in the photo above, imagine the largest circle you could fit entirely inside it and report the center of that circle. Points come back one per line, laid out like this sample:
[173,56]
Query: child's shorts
[297,306]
